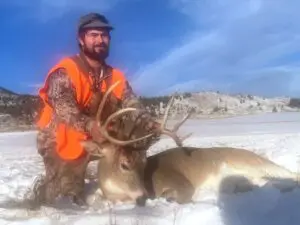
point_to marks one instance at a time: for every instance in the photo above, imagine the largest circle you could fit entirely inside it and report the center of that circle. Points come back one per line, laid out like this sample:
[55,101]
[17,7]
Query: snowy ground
[277,136]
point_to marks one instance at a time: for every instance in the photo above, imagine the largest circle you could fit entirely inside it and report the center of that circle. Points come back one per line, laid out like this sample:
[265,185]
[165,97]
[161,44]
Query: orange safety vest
[68,139]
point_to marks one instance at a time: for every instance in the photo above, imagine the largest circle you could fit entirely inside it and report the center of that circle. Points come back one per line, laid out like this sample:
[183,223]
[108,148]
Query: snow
[275,135]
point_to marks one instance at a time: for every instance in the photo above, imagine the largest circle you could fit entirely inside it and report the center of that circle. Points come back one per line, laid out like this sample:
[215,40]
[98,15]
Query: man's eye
[94,35]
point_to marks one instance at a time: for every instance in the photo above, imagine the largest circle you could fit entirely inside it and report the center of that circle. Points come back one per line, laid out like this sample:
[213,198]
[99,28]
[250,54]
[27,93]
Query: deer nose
[141,201]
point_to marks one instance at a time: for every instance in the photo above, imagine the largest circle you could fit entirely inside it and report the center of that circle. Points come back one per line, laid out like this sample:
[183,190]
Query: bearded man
[71,95]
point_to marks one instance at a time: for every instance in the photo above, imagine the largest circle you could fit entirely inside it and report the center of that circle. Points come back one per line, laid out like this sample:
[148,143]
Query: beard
[97,52]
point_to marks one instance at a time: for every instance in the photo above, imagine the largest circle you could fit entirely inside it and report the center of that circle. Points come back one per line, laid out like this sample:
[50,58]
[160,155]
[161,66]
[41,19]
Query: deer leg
[173,186]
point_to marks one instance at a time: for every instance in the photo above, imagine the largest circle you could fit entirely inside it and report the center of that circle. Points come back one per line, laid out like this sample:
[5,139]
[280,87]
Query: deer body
[176,175]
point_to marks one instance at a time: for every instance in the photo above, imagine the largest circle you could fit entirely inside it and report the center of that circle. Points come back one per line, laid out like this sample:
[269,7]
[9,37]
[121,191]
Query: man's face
[95,43]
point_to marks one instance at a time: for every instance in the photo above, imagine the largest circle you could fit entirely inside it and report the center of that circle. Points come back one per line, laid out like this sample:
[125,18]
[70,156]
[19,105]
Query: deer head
[121,163]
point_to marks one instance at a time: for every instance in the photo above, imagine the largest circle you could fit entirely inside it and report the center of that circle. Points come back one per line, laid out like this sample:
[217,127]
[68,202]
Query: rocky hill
[18,112]
[214,104]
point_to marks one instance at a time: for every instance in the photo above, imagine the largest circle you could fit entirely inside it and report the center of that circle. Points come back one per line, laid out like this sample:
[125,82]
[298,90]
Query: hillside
[18,112]
[4,91]
[214,104]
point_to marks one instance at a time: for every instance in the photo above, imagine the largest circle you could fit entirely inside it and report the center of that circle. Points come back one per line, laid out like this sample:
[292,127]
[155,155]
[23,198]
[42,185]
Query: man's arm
[130,99]
[62,97]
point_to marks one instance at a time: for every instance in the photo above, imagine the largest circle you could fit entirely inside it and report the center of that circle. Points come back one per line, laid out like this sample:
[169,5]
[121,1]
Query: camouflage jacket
[61,96]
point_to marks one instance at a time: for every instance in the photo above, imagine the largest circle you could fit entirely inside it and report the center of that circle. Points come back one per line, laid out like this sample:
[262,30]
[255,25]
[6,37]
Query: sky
[231,46]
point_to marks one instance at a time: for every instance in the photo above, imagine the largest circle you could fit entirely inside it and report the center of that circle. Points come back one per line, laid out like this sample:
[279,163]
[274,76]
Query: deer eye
[124,167]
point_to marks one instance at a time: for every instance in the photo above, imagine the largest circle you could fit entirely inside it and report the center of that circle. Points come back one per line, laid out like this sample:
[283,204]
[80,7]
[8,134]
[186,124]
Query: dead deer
[175,175]
[126,174]
[120,165]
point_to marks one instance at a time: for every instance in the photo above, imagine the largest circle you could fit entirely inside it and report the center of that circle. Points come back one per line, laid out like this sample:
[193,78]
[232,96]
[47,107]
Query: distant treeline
[150,101]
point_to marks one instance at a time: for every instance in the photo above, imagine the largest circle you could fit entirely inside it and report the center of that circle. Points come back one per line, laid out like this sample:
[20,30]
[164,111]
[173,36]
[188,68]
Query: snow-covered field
[276,136]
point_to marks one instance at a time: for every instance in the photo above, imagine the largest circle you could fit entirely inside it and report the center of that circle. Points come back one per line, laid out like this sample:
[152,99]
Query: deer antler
[103,129]
[163,130]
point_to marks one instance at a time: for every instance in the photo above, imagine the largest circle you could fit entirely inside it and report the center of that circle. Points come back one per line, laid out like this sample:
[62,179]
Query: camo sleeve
[131,100]
[61,96]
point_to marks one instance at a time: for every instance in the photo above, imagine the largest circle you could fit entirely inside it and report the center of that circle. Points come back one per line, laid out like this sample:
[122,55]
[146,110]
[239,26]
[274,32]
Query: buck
[125,173]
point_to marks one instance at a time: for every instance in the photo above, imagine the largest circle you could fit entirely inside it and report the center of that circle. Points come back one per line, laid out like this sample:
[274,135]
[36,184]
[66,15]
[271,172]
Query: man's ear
[80,38]
[92,148]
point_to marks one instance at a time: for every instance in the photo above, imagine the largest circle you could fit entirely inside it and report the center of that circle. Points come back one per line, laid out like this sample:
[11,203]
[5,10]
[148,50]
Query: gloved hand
[156,125]
[153,126]
[94,132]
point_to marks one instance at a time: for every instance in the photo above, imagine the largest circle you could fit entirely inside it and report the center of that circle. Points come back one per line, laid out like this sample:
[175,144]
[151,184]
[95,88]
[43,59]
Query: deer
[125,173]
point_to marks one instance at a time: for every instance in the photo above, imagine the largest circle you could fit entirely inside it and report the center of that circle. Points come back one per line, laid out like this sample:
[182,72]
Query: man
[71,95]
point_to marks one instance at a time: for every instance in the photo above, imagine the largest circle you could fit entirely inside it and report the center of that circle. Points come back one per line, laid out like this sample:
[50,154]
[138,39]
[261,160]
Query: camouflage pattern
[67,177]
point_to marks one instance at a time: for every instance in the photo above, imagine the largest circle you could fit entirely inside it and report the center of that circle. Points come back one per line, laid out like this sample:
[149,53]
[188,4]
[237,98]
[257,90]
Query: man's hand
[156,125]
[94,132]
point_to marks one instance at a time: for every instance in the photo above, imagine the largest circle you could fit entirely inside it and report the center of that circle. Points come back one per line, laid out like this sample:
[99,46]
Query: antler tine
[101,105]
[103,129]
[166,115]
[176,127]
[172,133]
[186,136]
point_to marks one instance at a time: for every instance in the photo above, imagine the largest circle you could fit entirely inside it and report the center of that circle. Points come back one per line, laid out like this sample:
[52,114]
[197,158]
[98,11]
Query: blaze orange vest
[68,139]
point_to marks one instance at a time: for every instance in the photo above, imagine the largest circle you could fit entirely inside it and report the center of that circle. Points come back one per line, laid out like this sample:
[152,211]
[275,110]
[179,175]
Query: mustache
[100,45]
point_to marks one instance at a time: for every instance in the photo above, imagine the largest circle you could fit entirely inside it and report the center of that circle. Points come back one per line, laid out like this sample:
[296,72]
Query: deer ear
[92,148]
